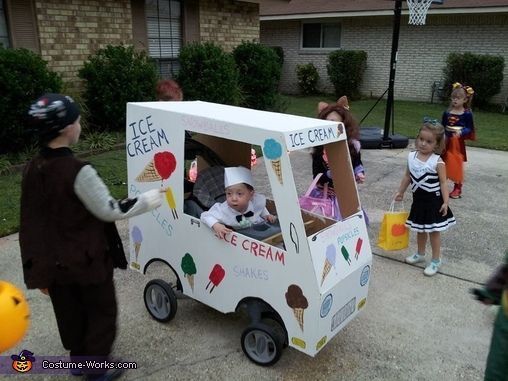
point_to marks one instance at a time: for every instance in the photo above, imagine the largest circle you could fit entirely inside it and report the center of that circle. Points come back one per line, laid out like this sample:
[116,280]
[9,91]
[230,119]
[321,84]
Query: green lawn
[491,128]
[492,132]
[111,166]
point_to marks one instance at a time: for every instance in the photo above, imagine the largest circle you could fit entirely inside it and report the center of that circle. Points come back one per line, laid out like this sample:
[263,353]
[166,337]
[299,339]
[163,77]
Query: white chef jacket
[223,213]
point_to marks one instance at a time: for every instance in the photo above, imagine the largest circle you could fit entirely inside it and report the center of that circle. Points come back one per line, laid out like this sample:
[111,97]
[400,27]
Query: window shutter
[139,35]
[22,22]
[191,21]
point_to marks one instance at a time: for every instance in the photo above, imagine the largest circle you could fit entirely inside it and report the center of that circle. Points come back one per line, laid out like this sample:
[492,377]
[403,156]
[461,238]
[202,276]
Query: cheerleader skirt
[425,216]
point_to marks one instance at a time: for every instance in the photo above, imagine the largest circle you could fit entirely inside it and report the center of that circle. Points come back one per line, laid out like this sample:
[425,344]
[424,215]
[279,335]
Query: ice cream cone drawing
[149,174]
[298,302]
[278,170]
[158,169]
[298,312]
[345,254]
[272,151]
[358,248]
[171,202]
[216,276]
[331,254]
[137,247]
[189,269]
[137,238]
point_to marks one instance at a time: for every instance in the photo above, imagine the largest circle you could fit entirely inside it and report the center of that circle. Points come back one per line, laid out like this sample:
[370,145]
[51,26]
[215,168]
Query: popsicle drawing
[171,202]
[160,168]
[345,254]
[189,269]
[272,151]
[358,248]
[298,302]
[216,276]
[331,254]
[137,238]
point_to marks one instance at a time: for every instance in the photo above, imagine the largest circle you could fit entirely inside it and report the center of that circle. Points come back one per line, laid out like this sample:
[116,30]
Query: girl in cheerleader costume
[426,173]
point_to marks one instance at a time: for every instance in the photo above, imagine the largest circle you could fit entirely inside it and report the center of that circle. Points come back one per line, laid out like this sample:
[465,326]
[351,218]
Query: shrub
[5,165]
[345,69]
[260,71]
[308,78]
[114,76]
[24,77]
[208,73]
[484,73]
[98,141]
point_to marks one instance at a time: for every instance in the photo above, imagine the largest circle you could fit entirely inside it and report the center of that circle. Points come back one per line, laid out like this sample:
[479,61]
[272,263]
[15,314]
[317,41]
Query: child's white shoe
[415,258]
[432,268]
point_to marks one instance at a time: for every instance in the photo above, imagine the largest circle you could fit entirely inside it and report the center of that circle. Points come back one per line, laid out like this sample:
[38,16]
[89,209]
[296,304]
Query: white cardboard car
[300,287]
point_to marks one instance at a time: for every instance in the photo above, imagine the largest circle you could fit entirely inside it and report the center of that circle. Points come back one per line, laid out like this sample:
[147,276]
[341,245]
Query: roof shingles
[297,7]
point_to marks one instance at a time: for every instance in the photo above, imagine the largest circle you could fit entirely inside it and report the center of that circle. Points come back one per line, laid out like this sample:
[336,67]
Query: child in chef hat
[243,206]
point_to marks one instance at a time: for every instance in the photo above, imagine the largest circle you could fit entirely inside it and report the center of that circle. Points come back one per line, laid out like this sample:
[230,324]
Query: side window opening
[343,181]
[212,154]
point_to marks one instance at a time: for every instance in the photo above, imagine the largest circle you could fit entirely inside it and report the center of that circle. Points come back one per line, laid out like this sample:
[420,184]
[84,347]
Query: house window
[320,35]
[164,27]
[4,33]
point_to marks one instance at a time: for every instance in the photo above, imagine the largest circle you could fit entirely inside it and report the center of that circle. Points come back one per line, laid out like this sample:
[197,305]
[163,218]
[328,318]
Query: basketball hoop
[418,11]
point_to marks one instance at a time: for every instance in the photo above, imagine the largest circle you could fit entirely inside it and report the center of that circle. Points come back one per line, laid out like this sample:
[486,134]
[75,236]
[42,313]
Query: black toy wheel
[160,300]
[273,321]
[262,344]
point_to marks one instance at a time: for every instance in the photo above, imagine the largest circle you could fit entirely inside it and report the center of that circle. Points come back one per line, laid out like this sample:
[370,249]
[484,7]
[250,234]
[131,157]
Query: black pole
[393,65]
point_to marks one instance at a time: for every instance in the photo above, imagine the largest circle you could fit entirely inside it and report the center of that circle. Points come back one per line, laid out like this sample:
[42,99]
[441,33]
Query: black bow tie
[248,214]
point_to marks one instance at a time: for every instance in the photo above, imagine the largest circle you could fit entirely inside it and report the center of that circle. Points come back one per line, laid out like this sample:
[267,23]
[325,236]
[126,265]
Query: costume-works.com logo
[22,363]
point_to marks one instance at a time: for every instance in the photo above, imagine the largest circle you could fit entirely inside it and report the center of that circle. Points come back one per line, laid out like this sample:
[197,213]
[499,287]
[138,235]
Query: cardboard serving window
[220,153]
[343,177]
[232,152]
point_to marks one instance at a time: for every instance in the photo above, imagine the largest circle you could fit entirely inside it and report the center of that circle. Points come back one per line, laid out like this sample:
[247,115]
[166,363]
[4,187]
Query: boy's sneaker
[415,258]
[432,268]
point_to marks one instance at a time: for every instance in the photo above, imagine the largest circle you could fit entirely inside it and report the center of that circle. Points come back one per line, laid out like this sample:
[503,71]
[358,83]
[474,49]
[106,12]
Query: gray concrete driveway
[413,327]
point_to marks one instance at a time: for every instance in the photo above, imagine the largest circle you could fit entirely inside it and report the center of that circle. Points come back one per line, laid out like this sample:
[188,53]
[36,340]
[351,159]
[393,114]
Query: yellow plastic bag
[393,234]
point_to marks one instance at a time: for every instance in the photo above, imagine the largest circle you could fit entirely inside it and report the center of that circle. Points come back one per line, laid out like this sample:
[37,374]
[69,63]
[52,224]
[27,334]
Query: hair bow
[430,120]
[468,89]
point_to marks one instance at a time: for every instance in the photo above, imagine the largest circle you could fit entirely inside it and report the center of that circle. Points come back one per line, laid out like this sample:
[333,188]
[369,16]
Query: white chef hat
[237,175]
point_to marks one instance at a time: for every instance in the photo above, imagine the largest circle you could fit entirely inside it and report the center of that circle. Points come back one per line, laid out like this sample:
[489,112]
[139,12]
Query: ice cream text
[300,139]
[145,138]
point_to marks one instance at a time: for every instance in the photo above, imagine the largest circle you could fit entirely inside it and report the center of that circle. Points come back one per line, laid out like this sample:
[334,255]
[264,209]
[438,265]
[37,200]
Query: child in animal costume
[338,112]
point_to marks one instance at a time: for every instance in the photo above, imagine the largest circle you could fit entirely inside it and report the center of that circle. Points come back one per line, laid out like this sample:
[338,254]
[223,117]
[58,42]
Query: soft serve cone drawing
[273,151]
[331,254]
[137,238]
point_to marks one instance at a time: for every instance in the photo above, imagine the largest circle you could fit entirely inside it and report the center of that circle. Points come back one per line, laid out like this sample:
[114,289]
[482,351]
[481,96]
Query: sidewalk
[412,328]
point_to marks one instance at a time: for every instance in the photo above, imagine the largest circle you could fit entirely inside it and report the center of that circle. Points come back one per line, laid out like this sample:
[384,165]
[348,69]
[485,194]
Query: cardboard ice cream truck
[302,281]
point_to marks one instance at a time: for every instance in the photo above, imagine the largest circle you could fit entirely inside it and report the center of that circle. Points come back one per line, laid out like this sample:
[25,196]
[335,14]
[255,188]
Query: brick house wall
[422,50]
[228,22]
[66,33]
[69,31]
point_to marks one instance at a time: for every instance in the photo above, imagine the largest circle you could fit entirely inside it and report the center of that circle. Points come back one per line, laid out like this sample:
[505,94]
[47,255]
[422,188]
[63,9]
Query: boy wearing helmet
[69,245]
